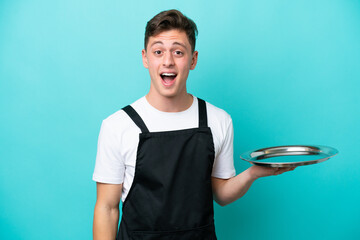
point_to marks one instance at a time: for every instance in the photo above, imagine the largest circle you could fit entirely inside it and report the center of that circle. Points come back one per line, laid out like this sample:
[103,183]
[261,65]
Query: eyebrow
[175,43]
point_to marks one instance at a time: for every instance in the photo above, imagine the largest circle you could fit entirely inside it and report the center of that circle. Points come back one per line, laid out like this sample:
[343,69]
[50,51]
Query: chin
[168,95]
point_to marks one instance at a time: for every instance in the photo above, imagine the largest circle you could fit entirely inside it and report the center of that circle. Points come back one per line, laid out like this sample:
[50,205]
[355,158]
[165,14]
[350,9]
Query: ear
[144,59]
[194,60]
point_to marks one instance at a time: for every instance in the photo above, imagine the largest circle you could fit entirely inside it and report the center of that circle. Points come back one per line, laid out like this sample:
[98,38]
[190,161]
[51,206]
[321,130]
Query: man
[169,154]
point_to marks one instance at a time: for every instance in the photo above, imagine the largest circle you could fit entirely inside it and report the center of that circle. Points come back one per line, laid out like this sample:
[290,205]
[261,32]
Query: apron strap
[202,113]
[136,118]
[140,123]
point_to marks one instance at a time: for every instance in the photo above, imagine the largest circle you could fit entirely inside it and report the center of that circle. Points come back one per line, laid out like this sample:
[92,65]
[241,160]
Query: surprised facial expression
[169,58]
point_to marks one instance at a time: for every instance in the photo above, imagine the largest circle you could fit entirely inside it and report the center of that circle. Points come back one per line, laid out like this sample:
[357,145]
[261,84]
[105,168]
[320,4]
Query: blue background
[286,71]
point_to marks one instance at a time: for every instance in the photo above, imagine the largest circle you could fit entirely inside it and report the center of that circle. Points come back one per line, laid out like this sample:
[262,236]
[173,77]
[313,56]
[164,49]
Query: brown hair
[169,20]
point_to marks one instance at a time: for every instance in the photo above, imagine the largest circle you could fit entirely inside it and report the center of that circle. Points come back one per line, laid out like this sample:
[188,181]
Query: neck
[170,104]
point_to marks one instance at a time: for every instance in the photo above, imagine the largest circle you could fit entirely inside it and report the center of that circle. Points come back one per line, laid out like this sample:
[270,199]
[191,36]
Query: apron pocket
[201,233]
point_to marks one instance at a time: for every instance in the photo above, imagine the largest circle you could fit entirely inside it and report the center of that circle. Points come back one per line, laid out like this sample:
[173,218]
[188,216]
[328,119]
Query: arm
[226,191]
[106,213]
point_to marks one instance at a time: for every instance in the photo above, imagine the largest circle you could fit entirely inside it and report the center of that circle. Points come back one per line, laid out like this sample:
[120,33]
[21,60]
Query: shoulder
[221,126]
[220,123]
[115,120]
[119,121]
[218,115]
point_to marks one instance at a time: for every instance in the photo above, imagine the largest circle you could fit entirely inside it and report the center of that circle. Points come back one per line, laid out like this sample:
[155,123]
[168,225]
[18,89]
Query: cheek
[152,67]
[154,63]
[184,65]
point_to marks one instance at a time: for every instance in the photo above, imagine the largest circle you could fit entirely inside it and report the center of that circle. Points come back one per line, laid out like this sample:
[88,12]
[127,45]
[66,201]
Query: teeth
[168,74]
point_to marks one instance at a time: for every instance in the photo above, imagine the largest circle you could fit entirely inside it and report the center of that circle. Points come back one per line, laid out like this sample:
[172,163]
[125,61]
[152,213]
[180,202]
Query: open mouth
[168,78]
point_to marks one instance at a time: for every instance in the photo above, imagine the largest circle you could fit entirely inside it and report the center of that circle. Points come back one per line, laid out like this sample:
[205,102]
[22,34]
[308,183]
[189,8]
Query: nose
[168,59]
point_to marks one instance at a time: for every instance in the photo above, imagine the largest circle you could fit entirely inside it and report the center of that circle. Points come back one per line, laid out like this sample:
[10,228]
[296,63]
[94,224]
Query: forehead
[169,37]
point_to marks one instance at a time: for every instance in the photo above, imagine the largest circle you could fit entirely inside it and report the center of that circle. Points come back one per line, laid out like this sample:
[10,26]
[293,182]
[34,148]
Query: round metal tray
[289,156]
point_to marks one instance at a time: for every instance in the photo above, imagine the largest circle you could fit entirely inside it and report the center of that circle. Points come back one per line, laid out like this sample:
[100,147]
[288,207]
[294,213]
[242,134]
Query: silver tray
[289,156]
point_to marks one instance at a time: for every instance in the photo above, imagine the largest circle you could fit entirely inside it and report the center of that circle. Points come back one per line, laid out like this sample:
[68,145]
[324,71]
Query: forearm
[230,190]
[105,222]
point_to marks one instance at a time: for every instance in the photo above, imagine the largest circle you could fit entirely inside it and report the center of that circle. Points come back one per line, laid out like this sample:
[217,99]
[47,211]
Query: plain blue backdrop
[287,72]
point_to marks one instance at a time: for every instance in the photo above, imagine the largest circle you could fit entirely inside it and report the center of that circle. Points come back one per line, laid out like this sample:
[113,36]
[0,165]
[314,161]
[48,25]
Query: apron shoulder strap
[140,123]
[202,113]
[136,118]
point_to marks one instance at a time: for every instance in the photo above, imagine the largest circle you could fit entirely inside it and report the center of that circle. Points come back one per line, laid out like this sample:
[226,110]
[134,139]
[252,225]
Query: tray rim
[330,151]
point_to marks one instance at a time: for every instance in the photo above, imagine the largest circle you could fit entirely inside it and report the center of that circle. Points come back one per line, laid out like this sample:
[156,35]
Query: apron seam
[173,231]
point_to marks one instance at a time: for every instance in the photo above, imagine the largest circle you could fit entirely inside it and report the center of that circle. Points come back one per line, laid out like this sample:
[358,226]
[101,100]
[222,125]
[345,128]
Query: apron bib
[171,195]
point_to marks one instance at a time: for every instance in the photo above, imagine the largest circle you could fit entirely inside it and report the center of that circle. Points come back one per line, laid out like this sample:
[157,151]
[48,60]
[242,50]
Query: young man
[169,154]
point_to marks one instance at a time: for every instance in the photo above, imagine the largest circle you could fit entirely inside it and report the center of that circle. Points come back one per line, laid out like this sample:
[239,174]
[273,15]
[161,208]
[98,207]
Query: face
[169,59]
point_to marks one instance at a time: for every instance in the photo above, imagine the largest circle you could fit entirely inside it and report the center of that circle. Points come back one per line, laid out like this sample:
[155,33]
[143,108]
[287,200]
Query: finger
[282,170]
[290,168]
[278,171]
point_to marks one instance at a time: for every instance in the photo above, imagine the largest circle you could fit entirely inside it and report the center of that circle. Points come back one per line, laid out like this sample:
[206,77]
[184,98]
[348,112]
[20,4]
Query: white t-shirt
[119,139]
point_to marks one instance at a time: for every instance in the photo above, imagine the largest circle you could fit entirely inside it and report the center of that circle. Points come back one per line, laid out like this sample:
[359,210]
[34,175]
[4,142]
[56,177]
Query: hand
[259,171]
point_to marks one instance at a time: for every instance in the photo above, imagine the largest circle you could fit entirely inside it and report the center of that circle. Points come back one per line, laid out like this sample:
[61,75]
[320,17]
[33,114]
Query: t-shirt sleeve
[224,162]
[109,166]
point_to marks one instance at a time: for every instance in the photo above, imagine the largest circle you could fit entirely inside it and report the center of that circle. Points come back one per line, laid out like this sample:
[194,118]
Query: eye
[178,53]
[157,52]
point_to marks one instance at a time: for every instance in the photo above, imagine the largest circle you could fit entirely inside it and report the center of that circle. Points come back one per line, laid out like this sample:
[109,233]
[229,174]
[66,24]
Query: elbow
[222,202]
[221,194]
